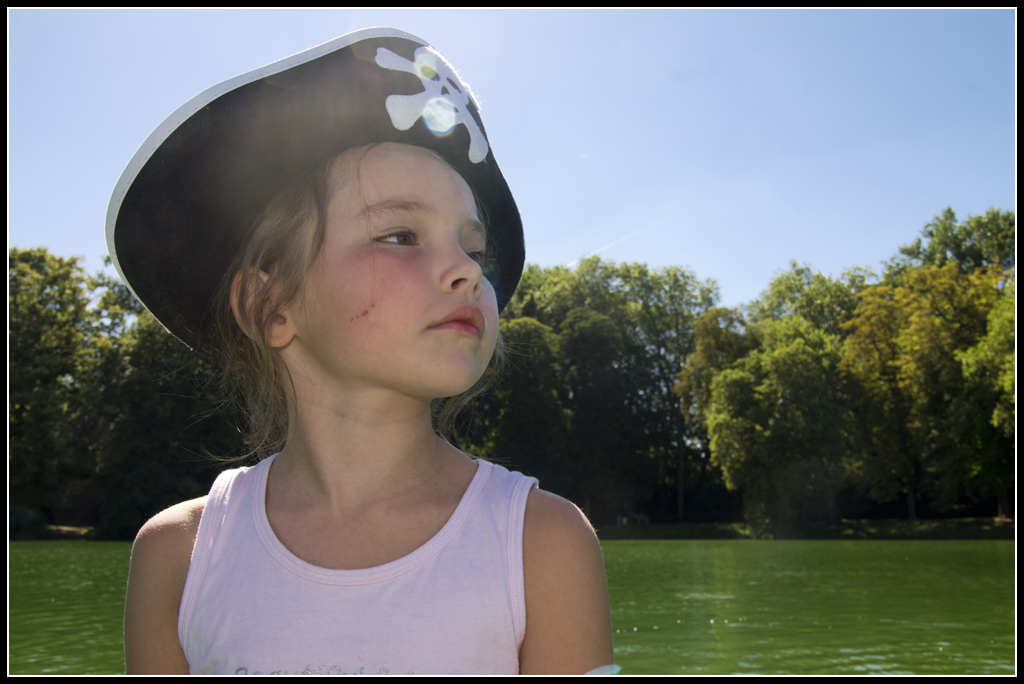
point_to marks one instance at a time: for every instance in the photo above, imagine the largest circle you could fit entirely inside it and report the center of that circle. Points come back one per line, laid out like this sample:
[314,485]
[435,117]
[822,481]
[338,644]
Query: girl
[335,229]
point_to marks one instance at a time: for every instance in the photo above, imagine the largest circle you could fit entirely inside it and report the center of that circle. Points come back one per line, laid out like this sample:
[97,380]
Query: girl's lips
[466,318]
[458,325]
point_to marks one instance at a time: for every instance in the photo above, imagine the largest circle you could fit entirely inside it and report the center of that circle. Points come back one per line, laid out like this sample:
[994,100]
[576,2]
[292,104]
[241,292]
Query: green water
[797,607]
[66,607]
[812,607]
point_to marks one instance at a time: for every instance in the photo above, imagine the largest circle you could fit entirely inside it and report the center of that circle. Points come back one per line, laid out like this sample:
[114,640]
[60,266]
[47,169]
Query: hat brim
[190,195]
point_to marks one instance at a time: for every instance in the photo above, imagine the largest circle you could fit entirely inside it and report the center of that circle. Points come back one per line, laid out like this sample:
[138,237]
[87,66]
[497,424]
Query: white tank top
[456,605]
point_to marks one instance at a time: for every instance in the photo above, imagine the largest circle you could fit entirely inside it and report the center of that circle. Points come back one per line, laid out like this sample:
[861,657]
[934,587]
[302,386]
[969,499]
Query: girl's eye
[402,238]
[481,256]
[487,261]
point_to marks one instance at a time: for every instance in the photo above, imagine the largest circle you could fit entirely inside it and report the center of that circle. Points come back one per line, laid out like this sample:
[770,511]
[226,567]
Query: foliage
[824,302]
[627,390]
[663,307]
[990,364]
[596,385]
[884,461]
[623,331]
[721,337]
[988,241]
[100,400]
[48,333]
[154,453]
[521,424]
[776,422]
[922,427]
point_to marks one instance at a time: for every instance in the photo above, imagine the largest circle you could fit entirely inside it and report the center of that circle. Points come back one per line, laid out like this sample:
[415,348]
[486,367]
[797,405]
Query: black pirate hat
[189,196]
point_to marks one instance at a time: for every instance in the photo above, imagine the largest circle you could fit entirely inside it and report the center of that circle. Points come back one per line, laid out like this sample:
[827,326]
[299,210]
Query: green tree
[988,241]
[825,302]
[521,423]
[662,308]
[922,427]
[946,313]
[162,428]
[885,462]
[777,423]
[114,309]
[721,337]
[599,432]
[653,312]
[993,360]
[550,294]
[989,369]
[49,329]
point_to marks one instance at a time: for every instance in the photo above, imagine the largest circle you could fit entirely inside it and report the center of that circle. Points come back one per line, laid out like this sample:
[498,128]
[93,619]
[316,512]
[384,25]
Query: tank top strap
[226,488]
[519,487]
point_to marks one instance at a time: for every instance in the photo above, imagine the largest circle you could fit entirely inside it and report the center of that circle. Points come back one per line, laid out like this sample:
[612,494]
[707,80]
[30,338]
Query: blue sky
[729,142]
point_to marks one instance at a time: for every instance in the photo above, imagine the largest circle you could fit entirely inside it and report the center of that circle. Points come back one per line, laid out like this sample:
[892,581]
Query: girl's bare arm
[568,617]
[159,565]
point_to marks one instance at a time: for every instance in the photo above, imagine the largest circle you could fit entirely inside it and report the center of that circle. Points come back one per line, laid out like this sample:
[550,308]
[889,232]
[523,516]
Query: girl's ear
[279,328]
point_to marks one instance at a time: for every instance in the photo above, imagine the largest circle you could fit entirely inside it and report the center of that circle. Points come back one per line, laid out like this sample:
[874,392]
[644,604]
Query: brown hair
[284,242]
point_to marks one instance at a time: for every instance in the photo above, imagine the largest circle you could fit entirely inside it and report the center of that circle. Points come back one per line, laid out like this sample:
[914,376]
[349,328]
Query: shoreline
[949,528]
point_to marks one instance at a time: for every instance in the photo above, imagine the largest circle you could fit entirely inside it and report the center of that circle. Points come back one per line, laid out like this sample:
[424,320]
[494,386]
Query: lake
[678,607]
[812,607]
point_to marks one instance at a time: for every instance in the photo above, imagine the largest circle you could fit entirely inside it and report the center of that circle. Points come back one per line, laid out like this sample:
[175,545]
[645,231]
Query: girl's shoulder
[163,548]
[549,515]
[568,617]
[156,578]
[171,529]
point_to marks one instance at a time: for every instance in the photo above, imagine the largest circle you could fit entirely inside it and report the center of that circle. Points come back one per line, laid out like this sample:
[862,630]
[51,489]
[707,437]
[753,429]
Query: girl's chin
[438,385]
[452,389]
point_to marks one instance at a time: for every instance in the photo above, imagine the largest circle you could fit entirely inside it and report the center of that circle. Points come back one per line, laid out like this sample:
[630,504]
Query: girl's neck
[354,450]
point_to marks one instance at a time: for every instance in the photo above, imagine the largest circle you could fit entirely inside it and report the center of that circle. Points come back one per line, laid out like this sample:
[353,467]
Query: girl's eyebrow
[391,207]
[388,207]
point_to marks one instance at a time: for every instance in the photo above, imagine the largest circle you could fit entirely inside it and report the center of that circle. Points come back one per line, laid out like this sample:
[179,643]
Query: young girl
[334,228]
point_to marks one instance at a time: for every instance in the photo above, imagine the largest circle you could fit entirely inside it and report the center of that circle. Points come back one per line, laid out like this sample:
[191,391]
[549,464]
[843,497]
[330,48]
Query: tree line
[626,390]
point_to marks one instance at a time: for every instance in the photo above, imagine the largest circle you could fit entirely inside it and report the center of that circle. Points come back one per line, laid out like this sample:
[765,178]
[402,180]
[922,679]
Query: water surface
[66,607]
[678,607]
[812,607]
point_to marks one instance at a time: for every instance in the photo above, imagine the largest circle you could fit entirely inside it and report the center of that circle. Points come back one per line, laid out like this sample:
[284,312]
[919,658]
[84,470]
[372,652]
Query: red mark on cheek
[365,312]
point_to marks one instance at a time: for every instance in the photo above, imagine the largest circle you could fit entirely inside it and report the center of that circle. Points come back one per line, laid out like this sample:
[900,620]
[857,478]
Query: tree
[885,460]
[550,294]
[993,360]
[988,241]
[162,426]
[600,434]
[825,302]
[946,313]
[49,329]
[653,313]
[521,423]
[721,338]
[777,422]
[662,308]
[989,371]
[921,426]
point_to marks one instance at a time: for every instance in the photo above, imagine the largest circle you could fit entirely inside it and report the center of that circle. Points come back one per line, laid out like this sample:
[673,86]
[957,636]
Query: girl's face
[396,298]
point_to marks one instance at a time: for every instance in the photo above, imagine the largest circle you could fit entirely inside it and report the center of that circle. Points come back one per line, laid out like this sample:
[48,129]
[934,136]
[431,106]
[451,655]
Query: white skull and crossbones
[443,104]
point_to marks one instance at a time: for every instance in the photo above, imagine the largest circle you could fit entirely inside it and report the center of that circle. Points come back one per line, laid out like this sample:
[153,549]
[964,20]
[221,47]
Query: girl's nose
[464,272]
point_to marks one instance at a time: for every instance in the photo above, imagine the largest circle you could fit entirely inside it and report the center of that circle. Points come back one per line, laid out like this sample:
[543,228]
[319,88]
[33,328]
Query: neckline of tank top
[379,573]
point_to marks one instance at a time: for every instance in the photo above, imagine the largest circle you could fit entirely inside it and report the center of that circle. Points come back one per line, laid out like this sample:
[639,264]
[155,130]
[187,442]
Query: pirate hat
[189,196]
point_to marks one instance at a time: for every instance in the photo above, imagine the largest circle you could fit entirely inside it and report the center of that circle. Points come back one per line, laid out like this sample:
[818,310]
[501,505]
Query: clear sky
[730,142]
